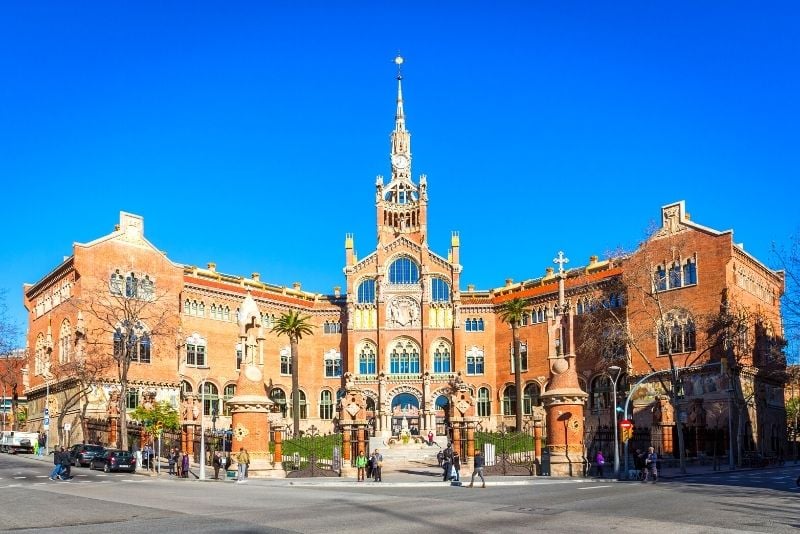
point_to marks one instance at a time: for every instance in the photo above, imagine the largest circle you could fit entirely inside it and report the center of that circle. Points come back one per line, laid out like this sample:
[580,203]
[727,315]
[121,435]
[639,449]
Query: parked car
[114,460]
[82,454]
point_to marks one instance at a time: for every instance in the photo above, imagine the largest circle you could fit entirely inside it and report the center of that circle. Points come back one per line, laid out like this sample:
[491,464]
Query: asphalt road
[93,502]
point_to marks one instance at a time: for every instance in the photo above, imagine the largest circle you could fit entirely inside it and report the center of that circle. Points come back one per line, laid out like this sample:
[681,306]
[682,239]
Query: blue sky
[250,133]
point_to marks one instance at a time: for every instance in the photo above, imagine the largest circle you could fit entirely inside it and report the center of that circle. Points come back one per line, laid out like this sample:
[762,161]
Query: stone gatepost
[277,431]
[113,418]
[462,419]
[352,416]
[664,421]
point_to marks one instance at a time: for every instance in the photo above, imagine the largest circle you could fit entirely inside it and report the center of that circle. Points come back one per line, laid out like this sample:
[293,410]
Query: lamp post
[203,430]
[731,464]
[614,372]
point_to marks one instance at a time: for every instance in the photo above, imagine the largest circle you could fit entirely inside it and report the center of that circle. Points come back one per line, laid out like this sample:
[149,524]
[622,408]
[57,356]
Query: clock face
[400,161]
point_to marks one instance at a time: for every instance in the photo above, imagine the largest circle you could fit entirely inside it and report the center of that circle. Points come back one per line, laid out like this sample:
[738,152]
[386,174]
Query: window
[227,394]
[677,274]
[132,398]
[40,362]
[600,391]
[186,389]
[65,342]
[523,356]
[214,311]
[530,398]
[201,309]
[132,343]
[474,325]
[366,291]
[143,353]
[689,273]
[226,314]
[131,286]
[332,327]
[404,358]
[441,358]
[303,407]
[366,360]
[661,279]
[403,271]
[278,396]
[333,364]
[677,334]
[474,361]
[238,355]
[325,404]
[210,395]
[286,361]
[196,351]
[440,290]
[484,403]
[510,401]
[116,283]
[146,288]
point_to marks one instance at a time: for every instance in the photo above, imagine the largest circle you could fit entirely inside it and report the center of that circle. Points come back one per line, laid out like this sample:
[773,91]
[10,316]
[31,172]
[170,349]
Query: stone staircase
[408,457]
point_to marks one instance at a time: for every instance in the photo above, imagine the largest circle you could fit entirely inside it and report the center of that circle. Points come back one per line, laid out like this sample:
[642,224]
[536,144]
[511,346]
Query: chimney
[337,291]
[548,273]
[509,281]
[212,266]
[256,276]
[296,286]
[470,287]
[593,260]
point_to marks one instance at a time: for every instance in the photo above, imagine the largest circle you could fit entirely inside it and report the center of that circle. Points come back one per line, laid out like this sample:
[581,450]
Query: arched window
[40,363]
[186,389]
[366,291]
[195,351]
[600,389]
[523,357]
[440,290]
[531,397]
[278,396]
[370,404]
[239,355]
[201,309]
[303,406]
[210,395]
[677,333]
[366,360]
[325,404]
[441,358]
[484,403]
[689,273]
[675,275]
[403,271]
[227,394]
[333,363]
[116,283]
[187,307]
[65,342]
[146,288]
[213,311]
[661,278]
[404,358]
[510,401]
[131,285]
[132,344]
[226,314]
[475,361]
[286,361]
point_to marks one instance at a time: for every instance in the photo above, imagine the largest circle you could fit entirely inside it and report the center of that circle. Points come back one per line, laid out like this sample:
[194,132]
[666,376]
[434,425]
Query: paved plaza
[763,500]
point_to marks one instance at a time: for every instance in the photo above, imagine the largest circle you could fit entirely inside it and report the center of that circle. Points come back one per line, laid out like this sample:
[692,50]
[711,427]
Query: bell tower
[401,204]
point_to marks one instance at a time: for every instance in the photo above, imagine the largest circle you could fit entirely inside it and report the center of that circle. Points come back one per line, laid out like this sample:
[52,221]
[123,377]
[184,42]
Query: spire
[400,116]
[401,138]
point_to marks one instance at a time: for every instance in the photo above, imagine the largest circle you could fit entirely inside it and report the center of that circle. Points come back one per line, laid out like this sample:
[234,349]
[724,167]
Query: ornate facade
[401,333]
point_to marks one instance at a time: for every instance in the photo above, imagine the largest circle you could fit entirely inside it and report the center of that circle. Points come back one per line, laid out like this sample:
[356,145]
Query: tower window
[403,271]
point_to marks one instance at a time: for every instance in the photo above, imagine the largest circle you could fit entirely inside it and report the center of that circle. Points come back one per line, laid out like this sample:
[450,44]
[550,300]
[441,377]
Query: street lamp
[614,373]
[203,430]
[731,465]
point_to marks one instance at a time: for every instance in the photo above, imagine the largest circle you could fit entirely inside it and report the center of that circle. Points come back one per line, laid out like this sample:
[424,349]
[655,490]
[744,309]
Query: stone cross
[561,260]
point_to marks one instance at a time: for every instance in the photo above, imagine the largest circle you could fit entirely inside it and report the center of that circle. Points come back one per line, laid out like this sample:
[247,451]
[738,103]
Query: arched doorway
[443,416]
[405,413]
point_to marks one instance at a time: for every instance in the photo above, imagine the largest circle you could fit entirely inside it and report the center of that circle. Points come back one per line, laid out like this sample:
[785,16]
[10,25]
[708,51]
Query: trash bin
[544,467]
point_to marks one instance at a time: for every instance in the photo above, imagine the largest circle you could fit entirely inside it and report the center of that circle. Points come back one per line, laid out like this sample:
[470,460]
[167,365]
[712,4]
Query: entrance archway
[443,416]
[405,413]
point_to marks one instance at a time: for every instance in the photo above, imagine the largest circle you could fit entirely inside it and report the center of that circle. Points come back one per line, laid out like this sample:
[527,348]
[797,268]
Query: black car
[114,460]
[81,455]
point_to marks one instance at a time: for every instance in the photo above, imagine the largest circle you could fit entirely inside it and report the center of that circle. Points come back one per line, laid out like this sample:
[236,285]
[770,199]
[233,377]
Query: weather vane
[399,62]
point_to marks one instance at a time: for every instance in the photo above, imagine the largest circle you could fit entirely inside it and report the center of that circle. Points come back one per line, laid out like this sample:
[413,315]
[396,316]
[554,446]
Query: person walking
[638,464]
[66,465]
[377,466]
[600,462]
[456,469]
[478,470]
[651,465]
[56,465]
[227,463]
[42,440]
[216,463]
[185,465]
[243,460]
[146,457]
[36,447]
[361,465]
[430,438]
[171,460]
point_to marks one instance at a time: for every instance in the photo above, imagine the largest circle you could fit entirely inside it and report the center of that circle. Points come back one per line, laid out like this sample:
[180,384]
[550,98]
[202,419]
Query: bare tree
[789,260]
[125,320]
[12,363]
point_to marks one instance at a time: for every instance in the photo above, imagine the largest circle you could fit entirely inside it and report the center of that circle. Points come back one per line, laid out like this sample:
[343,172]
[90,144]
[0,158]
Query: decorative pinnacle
[561,260]
[399,62]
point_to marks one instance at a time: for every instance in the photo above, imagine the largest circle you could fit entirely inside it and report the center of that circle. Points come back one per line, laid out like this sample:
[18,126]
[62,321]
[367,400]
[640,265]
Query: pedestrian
[171,461]
[361,465]
[377,466]
[638,463]
[440,457]
[146,457]
[227,463]
[42,443]
[216,463]
[651,465]
[369,467]
[243,460]
[446,465]
[66,465]
[36,447]
[185,465]
[430,438]
[478,469]
[600,462]
[456,469]
[56,465]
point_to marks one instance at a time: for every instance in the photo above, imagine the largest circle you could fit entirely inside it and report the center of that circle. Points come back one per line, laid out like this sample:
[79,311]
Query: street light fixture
[202,430]
[614,373]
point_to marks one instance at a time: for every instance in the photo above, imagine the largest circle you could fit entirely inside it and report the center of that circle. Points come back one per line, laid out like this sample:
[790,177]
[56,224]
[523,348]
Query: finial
[560,260]
[399,62]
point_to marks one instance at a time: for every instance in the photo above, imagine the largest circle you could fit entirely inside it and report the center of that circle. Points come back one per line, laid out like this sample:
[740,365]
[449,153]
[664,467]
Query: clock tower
[401,205]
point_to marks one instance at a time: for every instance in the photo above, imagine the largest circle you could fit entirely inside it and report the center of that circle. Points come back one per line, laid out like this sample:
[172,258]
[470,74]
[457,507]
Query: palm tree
[511,312]
[294,326]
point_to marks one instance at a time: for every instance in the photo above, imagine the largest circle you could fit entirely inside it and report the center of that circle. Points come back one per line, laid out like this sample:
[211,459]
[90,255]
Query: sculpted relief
[403,312]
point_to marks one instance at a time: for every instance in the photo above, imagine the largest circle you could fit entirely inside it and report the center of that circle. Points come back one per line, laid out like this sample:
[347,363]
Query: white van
[13,441]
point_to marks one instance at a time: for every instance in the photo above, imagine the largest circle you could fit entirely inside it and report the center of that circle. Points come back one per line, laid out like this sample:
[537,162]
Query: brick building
[403,329]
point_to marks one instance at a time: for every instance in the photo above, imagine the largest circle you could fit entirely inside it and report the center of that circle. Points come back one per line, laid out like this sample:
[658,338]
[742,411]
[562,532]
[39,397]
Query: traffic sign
[47,423]
[626,424]
[67,426]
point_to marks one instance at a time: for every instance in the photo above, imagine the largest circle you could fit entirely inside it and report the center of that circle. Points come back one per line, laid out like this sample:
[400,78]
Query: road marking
[18,478]
[42,476]
[594,487]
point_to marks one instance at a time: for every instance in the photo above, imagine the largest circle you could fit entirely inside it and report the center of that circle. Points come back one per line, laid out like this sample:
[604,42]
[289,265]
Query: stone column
[277,456]
[537,438]
[352,415]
